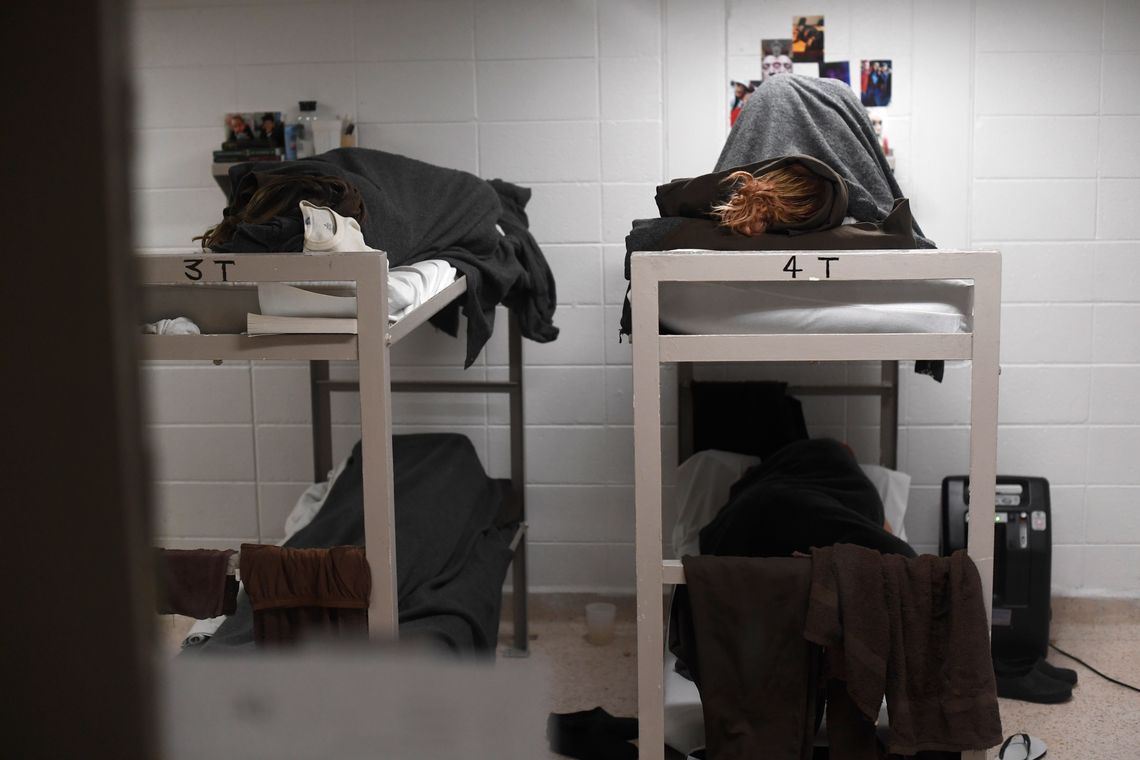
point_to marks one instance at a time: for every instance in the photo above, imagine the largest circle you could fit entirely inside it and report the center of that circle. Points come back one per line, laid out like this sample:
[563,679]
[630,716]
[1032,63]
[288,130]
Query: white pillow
[894,489]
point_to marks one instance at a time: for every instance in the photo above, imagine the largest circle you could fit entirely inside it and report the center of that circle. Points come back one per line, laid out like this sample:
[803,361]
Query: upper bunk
[828,305]
[217,291]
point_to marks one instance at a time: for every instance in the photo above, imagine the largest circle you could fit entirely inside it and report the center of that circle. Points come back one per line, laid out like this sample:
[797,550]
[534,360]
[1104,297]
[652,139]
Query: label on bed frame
[194,271]
[792,268]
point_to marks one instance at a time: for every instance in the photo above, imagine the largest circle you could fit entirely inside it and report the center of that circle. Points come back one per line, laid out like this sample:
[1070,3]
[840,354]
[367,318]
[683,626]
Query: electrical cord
[1090,667]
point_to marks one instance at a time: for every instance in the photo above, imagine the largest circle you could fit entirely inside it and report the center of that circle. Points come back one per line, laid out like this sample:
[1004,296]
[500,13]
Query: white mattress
[874,306]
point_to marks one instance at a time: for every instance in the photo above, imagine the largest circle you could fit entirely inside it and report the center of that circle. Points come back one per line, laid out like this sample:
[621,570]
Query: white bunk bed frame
[651,349]
[369,347]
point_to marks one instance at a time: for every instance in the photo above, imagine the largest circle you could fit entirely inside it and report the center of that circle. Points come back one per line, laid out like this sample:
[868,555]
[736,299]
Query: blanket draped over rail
[416,211]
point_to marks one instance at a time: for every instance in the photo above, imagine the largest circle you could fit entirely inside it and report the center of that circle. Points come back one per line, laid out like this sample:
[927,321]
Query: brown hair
[782,196]
[279,195]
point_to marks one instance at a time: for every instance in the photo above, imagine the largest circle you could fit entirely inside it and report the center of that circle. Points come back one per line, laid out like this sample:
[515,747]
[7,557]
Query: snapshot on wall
[775,57]
[738,96]
[807,39]
[261,128]
[840,70]
[875,83]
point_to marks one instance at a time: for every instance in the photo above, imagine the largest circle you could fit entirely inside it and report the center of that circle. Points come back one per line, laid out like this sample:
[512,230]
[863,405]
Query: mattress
[219,308]
[853,306]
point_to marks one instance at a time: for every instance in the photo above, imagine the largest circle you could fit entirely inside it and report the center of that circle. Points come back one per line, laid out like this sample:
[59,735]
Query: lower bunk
[810,493]
[456,533]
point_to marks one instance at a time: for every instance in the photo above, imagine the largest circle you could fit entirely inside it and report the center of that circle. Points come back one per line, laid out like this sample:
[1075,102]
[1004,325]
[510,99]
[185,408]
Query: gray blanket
[451,556]
[417,211]
[821,118]
[795,115]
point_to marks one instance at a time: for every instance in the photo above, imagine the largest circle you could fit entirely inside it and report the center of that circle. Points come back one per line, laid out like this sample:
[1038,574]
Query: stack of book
[233,151]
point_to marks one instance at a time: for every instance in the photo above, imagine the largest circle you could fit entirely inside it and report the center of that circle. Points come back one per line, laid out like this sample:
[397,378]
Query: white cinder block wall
[1016,126]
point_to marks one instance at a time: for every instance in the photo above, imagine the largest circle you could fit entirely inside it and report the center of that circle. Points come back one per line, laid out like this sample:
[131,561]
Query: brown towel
[195,583]
[914,630]
[756,673]
[298,592]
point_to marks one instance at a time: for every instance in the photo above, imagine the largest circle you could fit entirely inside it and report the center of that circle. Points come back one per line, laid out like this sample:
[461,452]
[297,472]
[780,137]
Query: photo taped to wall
[775,57]
[738,96]
[807,39]
[840,70]
[258,129]
[875,83]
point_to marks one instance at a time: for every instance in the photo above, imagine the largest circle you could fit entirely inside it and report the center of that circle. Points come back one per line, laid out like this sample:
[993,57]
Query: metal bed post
[376,448]
[320,397]
[647,507]
[889,415]
[685,432]
[518,485]
[984,371]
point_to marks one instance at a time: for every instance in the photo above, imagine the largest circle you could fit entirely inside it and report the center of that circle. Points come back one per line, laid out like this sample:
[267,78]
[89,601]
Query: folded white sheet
[326,231]
[408,288]
[175,326]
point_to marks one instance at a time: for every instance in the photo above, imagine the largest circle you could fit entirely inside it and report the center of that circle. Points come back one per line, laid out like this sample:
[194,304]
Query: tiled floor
[1101,722]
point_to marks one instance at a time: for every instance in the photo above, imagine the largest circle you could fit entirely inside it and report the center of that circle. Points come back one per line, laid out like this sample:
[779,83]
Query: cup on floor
[600,622]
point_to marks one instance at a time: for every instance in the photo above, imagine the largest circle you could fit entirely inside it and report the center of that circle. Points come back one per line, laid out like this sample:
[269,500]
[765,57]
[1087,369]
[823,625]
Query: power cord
[1090,667]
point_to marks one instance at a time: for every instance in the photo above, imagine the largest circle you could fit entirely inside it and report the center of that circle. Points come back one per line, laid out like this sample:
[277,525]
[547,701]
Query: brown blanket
[914,630]
[298,592]
[755,671]
[196,583]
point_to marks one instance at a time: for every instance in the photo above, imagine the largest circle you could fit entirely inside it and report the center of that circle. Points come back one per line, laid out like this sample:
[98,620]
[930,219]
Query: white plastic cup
[600,622]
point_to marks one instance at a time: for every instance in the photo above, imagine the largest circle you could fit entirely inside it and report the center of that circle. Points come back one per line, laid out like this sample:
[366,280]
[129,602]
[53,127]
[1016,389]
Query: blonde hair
[783,196]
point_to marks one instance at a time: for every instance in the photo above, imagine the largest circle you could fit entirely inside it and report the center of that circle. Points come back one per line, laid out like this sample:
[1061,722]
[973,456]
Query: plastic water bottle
[306,124]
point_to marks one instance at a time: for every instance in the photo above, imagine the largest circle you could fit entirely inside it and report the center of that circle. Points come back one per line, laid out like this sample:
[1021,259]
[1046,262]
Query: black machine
[1023,553]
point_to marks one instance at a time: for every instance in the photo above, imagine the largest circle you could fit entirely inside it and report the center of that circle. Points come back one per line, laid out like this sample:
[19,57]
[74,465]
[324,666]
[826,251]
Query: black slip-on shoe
[1034,686]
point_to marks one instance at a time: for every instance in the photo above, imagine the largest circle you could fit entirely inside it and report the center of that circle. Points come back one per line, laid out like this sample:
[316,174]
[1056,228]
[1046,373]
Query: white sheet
[408,288]
[897,306]
[222,307]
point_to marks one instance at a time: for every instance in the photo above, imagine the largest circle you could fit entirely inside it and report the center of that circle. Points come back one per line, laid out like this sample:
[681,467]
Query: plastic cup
[600,622]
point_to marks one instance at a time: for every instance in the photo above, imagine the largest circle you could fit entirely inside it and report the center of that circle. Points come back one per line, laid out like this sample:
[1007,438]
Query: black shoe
[592,735]
[1058,674]
[1034,686]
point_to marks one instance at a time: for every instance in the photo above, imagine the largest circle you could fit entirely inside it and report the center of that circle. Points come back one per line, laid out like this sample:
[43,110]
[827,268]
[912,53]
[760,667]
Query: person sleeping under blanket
[809,493]
[801,170]
[413,211]
[452,552]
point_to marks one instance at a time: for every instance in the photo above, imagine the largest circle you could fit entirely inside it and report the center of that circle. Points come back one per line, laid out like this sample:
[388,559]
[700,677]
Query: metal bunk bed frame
[887,390]
[651,349]
[321,388]
[369,347]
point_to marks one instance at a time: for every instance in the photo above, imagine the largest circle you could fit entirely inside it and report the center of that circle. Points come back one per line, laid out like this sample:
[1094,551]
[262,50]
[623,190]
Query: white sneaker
[326,231]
